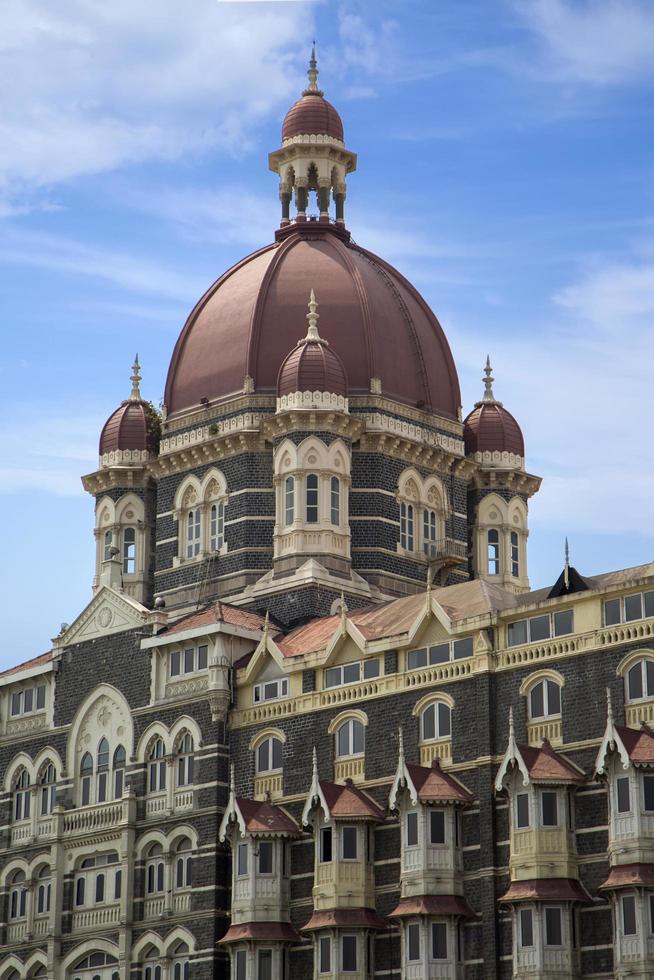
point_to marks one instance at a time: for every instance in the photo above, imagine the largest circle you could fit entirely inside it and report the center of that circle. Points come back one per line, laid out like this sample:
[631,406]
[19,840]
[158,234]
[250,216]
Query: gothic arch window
[639,680]
[86,777]
[268,755]
[193,532]
[184,753]
[493,566]
[47,788]
[181,965]
[183,864]
[157,766]
[108,542]
[515,554]
[102,771]
[96,966]
[436,721]
[335,501]
[119,772]
[43,891]
[22,795]
[200,511]
[312,508]
[154,870]
[216,526]
[422,513]
[17,895]
[407,522]
[350,738]
[129,551]
[289,500]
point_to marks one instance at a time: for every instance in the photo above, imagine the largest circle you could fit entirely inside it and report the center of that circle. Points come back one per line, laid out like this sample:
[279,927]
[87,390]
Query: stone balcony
[102,917]
[344,884]
[90,820]
[542,853]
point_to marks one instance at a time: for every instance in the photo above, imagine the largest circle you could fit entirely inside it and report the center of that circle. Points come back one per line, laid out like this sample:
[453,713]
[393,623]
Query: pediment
[107,612]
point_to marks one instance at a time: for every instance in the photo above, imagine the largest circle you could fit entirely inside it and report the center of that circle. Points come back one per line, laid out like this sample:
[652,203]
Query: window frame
[547,684]
[438,736]
[455,646]
[349,725]
[646,607]
[554,631]
[259,690]
[368,670]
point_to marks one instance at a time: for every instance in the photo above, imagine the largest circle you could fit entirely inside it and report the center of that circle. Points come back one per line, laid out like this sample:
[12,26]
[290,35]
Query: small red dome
[312,367]
[491,429]
[126,428]
[312,115]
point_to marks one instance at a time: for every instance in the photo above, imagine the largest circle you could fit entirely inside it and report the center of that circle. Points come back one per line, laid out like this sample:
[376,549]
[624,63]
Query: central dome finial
[313,316]
[312,87]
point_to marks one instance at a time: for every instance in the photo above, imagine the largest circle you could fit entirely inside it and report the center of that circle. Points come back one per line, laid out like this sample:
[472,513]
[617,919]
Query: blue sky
[506,166]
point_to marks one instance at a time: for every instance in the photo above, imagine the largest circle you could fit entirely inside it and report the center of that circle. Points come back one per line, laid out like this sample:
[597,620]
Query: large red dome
[246,323]
[312,114]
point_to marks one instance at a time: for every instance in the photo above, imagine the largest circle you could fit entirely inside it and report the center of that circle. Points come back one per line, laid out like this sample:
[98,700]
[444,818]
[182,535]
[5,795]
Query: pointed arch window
[43,891]
[157,767]
[193,532]
[350,738]
[181,966]
[185,751]
[436,722]
[102,771]
[312,509]
[18,896]
[429,532]
[86,776]
[335,501]
[108,544]
[22,796]
[183,864]
[119,772]
[407,533]
[48,784]
[493,551]
[289,500]
[515,554]
[129,551]
[217,526]
[155,870]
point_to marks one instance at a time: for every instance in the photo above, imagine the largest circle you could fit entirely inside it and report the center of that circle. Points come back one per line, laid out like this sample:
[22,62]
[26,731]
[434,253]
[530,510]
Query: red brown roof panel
[312,115]
[435,786]
[266,931]
[312,367]
[546,765]
[490,428]
[348,918]
[628,875]
[639,744]
[546,889]
[350,801]
[433,905]
[262,817]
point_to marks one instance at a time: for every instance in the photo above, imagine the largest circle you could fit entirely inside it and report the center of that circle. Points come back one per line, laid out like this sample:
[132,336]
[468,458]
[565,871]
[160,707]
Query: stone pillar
[169,858]
[339,200]
[323,197]
[285,197]
[301,199]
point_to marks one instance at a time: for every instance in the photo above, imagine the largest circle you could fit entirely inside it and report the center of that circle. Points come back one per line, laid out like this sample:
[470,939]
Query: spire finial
[488,381]
[430,573]
[266,623]
[135,394]
[313,316]
[232,783]
[313,72]
[314,764]
[511,725]
[609,705]
[400,742]
[566,567]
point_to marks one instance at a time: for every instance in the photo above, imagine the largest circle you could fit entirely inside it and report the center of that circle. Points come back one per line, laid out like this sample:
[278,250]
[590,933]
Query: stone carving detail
[186,687]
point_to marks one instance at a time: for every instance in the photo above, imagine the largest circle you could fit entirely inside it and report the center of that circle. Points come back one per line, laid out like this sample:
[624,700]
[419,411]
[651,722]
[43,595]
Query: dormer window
[270,690]
[351,673]
[440,653]
[188,661]
[626,609]
[28,700]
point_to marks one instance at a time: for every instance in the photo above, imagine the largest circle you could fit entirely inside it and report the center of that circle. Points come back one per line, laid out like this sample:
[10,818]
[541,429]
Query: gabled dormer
[626,761]
[429,803]
[539,783]
[343,818]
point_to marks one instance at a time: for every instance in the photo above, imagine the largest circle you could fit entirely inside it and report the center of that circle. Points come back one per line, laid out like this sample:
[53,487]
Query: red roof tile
[547,889]
[349,918]
[433,905]
[312,366]
[312,115]
[43,658]
[262,817]
[350,801]
[435,786]
[218,612]
[626,875]
[639,744]
[547,766]
[490,428]
[267,931]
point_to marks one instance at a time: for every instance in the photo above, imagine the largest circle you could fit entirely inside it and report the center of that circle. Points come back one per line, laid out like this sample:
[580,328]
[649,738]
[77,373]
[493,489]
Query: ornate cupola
[122,487]
[312,156]
[312,376]
[499,492]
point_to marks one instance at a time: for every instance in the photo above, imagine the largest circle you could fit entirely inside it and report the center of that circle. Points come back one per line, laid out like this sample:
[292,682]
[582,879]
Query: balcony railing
[91,819]
[441,749]
[98,918]
[274,785]
[354,769]
[16,932]
[153,908]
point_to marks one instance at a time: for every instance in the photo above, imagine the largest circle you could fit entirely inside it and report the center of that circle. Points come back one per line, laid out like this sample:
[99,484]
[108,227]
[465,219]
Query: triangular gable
[611,742]
[232,812]
[431,610]
[512,757]
[265,648]
[108,612]
[346,630]
[402,779]
[315,796]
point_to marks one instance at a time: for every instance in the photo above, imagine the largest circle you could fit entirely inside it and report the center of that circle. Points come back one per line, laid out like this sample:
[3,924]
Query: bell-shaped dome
[134,426]
[312,114]
[312,365]
[490,428]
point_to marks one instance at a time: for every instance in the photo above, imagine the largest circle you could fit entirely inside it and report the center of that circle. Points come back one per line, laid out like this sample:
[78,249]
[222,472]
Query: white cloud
[592,41]
[48,451]
[613,296]
[91,86]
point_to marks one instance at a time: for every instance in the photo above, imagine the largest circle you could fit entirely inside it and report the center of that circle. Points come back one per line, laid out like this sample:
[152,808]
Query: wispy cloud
[47,452]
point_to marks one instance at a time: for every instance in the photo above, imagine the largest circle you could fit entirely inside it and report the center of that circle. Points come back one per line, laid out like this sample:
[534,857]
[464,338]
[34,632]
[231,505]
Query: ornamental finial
[314,764]
[313,72]
[232,783]
[313,316]
[511,726]
[566,566]
[400,739]
[488,381]
[135,394]
[609,705]
[266,623]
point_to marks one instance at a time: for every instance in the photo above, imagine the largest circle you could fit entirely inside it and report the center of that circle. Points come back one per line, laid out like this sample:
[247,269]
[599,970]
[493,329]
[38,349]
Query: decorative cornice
[323,401]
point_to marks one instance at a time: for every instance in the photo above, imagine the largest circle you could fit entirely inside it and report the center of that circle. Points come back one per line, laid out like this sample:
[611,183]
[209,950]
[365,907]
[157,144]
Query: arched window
[544,699]
[312,499]
[407,535]
[269,755]
[119,772]
[94,967]
[48,784]
[335,501]
[181,967]
[129,551]
[183,864]
[493,553]
[289,500]
[185,760]
[22,795]
[151,971]
[640,681]
[435,721]
[193,532]
[102,771]
[43,891]
[17,895]
[108,543]
[515,554]
[217,526]
[157,767]
[154,870]
[350,738]
[429,532]
[86,777]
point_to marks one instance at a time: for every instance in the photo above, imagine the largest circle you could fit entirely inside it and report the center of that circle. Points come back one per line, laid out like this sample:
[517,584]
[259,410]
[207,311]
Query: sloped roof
[350,802]
[352,918]
[267,931]
[546,889]
[43,658]
[435,786]
[639,744]
[433,905]
[628,875]
[547,766]
[218,612]
[262,817]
